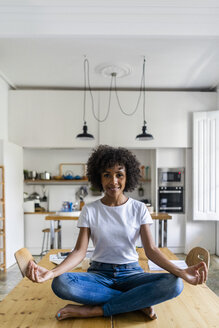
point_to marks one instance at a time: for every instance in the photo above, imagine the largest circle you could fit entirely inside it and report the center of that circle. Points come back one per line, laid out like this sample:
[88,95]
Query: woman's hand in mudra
[37,273]
[195,274]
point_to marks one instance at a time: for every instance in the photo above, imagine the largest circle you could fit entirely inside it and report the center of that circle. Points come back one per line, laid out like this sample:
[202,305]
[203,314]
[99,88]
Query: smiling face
[113,181]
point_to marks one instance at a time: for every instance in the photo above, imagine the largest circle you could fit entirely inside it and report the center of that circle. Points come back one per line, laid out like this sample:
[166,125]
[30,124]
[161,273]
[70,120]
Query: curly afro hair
[104,157]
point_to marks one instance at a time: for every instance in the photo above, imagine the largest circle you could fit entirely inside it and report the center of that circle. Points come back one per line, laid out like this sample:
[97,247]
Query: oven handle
[170,191]
[170,208]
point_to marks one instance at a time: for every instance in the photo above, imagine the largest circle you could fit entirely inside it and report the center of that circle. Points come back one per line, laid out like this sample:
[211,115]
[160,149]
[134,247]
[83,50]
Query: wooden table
[162,218]
[35,305]
[57,218]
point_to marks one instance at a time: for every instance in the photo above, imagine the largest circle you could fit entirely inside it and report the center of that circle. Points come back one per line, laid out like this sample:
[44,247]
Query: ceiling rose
[107,70]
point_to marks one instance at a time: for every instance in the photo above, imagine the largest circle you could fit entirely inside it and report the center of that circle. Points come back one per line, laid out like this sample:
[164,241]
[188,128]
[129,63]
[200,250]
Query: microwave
[171,177]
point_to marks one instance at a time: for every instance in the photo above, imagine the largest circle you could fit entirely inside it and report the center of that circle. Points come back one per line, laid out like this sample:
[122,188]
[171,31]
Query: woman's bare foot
[149,311]
[79,311]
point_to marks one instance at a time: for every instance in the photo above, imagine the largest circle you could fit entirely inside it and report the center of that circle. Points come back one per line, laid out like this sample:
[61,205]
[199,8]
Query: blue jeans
[117,288]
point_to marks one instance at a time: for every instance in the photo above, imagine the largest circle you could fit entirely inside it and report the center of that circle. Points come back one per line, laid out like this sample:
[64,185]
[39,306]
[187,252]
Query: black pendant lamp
[84,135]
[144,135]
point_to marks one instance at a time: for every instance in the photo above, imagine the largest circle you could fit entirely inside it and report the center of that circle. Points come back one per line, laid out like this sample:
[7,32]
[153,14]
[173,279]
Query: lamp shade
[144,135]
[85,135]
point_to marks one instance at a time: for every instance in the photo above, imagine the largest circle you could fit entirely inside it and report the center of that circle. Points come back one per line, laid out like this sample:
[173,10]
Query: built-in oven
[171,190]
[171,199]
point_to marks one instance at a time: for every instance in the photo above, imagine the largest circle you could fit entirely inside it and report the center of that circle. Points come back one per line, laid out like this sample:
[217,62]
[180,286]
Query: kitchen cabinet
[205,165]
[33,235]
[176,233]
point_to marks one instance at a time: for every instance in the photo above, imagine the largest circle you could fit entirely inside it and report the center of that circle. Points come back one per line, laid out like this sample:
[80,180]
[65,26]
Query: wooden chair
[196,255]
[23,256]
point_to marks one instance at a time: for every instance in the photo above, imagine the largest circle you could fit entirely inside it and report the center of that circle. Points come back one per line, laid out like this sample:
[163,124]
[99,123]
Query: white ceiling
[42,44]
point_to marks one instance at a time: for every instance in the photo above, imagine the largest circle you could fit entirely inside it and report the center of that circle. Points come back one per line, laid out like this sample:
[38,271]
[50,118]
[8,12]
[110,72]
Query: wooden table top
[59,217]
[35,305]
[160,216]
[155,216]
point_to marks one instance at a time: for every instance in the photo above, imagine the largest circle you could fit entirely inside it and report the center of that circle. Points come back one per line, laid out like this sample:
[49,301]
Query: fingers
[203,277]
[202,272]
[28,270]
[31,271]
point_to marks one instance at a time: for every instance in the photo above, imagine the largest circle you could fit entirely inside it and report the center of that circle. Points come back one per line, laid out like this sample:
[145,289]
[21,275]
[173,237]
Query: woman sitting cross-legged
[114,282]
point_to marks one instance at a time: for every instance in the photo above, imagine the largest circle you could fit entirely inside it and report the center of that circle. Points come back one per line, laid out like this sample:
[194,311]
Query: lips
[114,189]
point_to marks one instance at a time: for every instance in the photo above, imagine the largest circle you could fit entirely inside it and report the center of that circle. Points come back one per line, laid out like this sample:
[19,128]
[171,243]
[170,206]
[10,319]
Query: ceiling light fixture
[110,71]
[84,135]
[144,135]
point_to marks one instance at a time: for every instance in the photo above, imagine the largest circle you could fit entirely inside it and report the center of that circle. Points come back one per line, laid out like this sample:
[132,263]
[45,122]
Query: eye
[106,175]
[119,175]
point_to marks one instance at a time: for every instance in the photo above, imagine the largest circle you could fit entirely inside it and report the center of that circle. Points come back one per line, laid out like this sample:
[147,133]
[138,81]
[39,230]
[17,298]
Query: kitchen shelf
[56,182]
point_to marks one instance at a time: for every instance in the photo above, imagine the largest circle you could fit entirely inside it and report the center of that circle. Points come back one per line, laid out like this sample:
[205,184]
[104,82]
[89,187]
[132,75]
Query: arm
[37,273]
[196,274]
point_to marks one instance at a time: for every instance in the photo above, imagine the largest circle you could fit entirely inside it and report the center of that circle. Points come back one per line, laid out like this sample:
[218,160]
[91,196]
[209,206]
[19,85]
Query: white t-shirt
[114,229]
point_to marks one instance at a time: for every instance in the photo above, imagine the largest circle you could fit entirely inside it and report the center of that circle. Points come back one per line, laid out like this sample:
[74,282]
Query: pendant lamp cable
[143,78]
[87,76]
[142,88]
[113,79]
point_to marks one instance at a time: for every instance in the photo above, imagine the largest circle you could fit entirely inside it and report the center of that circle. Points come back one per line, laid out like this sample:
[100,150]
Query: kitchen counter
[41,213]
[73,213]
[160,216]
[154,215]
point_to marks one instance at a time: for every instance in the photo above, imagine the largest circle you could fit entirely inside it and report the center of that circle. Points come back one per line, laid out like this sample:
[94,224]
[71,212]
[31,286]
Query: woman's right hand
[37,273]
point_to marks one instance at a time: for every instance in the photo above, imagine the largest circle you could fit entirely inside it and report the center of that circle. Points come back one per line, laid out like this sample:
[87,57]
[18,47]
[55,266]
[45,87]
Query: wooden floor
[35,305]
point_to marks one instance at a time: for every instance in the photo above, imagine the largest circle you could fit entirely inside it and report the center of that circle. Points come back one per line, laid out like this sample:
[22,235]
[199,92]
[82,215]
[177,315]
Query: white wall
[49,119]
[3,110]
[174,157]
[54,118]
[168,116]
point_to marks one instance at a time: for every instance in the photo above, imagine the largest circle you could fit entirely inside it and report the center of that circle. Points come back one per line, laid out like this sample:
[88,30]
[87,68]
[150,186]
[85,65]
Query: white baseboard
[177,250]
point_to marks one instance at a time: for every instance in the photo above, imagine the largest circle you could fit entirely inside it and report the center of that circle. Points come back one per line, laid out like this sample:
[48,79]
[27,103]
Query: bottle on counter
[81,204]
[143,172]
[141,191]
[147,173]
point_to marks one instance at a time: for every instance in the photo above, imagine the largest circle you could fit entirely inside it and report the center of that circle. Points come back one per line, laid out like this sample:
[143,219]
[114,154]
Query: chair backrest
[196,255]
[23,256]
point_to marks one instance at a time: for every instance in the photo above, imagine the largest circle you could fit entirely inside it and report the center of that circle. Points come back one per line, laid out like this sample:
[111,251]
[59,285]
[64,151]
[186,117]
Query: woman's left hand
[195,274]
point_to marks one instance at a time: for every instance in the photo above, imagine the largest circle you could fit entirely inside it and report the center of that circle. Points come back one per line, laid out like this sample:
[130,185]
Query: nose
[114,179]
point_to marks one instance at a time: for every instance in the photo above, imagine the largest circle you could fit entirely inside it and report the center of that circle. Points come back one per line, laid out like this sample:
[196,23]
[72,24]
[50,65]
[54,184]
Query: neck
[111,201]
